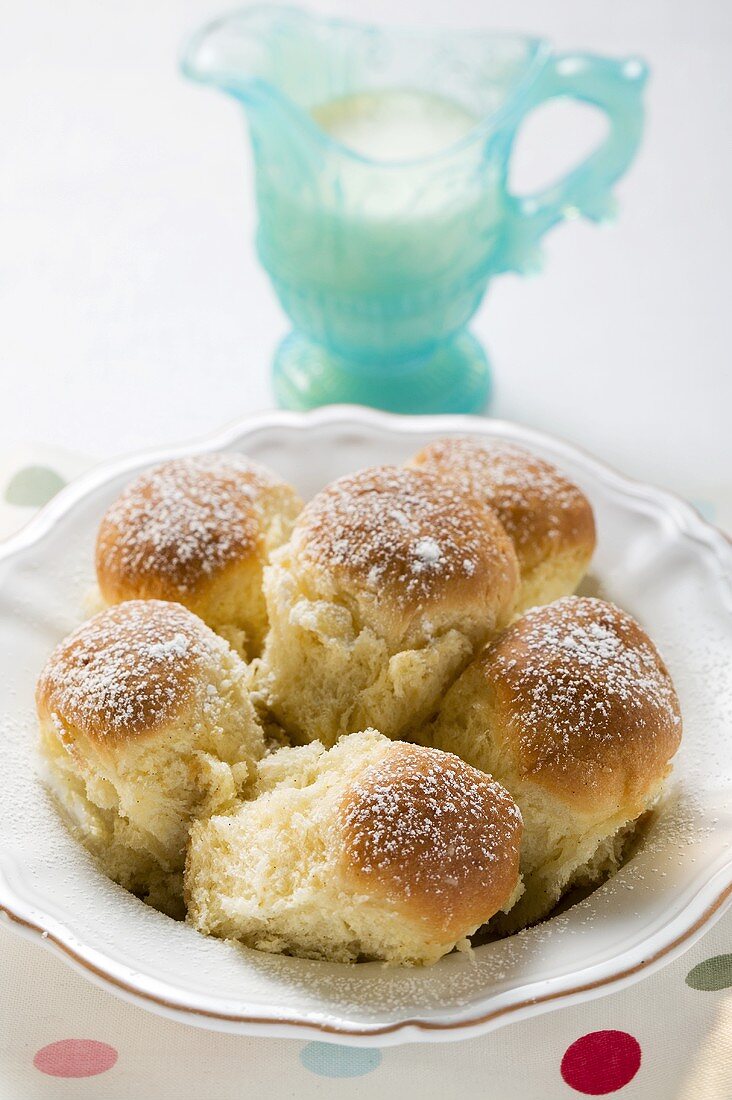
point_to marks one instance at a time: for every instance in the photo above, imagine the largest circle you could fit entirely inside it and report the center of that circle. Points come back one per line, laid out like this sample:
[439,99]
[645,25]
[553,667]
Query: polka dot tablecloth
[669,1037]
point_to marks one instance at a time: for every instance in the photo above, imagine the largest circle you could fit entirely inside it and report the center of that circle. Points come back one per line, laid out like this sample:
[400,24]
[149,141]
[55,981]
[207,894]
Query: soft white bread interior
[391,581]
[146,724]
[573,710]
[372,850]
[198,531]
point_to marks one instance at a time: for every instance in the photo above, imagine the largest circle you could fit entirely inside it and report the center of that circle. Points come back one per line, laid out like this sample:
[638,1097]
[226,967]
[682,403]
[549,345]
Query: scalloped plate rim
[703,909]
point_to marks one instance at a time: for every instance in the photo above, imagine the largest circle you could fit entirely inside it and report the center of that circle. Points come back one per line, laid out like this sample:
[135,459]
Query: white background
[133,311]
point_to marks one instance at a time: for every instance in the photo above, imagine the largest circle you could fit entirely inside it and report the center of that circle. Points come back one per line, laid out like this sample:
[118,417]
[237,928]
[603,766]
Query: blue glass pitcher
[381,259]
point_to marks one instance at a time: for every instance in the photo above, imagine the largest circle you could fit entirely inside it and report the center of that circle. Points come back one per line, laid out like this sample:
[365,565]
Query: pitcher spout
[265,57]
[234,54]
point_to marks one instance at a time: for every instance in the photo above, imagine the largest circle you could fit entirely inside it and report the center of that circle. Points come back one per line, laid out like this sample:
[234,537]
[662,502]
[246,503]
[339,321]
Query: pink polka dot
[75,1058]
[601,1062]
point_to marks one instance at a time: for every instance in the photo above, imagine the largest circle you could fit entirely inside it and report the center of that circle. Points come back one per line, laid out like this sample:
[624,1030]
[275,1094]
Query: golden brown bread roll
[574,712]
[198,531]
[372,850]
[549,519]
[146,724]
[392,579]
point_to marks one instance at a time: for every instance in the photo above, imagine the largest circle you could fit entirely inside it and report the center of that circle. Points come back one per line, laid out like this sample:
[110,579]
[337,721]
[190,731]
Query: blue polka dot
[707,509]
[328,1060]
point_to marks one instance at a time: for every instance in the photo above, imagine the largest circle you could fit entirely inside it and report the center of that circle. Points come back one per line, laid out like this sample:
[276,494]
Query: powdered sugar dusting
[177,646]
[126,670]
[533,499]
[434,830]
[428,552]
[183,521]
[405,531]
[581,666]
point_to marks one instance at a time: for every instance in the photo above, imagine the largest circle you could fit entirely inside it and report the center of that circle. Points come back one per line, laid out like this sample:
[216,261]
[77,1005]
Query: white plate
[656,557]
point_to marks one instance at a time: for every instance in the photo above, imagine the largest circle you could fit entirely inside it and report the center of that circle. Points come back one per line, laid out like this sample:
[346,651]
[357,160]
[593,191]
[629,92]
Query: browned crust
[596,725]
[540,508]
[408,541]
[178,527]
[126,672]
[433,836]
[57,942]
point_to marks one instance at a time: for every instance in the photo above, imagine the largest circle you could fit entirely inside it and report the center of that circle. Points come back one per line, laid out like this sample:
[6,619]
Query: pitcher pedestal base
[454,378]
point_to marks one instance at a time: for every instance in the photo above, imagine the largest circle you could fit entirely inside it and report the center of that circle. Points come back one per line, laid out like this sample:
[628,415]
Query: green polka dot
[329,1060]
[33,486]
[712,974]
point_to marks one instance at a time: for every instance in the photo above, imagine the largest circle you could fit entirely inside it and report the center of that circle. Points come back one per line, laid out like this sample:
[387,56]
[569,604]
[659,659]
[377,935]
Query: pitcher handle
[615,87]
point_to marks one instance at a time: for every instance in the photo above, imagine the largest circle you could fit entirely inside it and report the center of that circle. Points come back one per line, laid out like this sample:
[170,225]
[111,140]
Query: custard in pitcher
[381,172]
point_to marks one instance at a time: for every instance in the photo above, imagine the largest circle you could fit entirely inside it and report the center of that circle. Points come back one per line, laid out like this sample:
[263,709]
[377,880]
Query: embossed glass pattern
[380,264]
